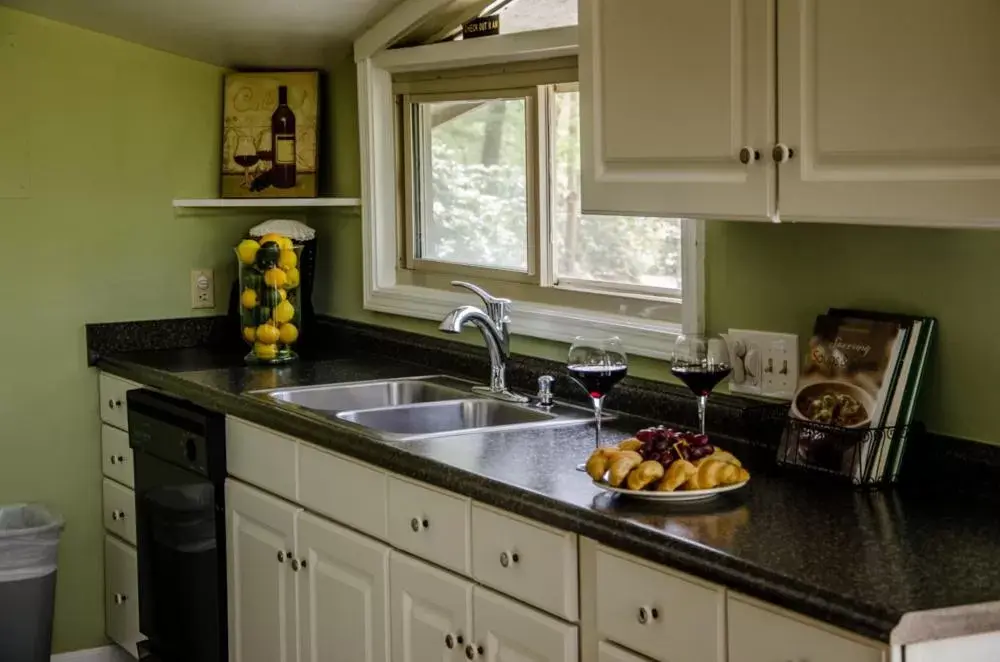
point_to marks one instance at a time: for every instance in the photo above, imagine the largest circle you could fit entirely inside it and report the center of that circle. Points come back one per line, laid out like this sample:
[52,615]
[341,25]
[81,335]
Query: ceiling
[231,33]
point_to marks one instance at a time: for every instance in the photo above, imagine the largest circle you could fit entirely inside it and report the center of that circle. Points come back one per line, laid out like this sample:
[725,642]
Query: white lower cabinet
[261,537]
[761,634]
[507,631]
[608,652]
[438,616]
[121,594]
[342,584]
[431,612]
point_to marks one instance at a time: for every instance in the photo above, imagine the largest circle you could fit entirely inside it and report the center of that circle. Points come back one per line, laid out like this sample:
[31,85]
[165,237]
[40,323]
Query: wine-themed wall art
[269,135]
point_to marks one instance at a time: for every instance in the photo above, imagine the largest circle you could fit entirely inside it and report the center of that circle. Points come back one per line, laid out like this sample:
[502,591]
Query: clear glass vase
[270,304]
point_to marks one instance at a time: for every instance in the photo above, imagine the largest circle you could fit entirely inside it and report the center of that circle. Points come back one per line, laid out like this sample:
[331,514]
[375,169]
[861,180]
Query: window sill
[641,337]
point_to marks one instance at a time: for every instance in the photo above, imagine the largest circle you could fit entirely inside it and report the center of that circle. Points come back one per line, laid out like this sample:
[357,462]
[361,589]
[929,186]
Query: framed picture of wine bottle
[269,135]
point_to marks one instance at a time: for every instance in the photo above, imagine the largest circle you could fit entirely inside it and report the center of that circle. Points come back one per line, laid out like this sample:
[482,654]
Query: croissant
[597,464]
[632,444]
[724,456]
[713,473]
[677,473]
[621,465]
[644,474]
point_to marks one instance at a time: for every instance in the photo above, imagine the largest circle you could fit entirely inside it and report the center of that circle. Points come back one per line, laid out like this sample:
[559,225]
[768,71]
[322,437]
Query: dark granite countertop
[893,566]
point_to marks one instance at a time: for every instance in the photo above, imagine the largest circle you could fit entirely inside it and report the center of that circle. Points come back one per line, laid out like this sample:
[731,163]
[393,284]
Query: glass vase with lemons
[270,312]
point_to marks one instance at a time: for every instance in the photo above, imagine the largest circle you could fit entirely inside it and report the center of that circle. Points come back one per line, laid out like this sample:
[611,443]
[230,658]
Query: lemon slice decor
[268,281]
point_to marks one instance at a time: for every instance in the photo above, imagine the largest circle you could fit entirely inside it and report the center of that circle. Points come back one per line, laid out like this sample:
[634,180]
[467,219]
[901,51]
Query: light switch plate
[764,363]
[202,288]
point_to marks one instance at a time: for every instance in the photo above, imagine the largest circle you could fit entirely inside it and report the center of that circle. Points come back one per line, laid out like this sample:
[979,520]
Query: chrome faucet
[494,324]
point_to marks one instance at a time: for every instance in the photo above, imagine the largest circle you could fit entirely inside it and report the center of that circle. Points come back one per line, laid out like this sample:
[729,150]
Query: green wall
[770,277]
[104,133]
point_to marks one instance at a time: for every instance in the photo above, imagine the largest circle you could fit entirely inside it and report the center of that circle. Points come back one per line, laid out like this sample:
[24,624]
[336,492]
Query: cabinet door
[342,592]
[608,652]
[261,582]
[757,634]
[431,612]
[121,594]
[510,632]
[891,109]
[670,93]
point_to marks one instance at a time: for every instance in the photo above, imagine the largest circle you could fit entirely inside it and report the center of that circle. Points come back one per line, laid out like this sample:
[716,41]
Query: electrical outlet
[202,288]
[764,363]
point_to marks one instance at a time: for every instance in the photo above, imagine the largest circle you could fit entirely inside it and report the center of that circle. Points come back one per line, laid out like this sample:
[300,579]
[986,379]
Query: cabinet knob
[281,556]
[295,565]
[507,558]
[416,524]
[449,641]
[471,651]
[120,598]
[647,614]
[117,515]
[121,459]
[749,155]
[782,153]
[114,459]
[303,564]
[111,403]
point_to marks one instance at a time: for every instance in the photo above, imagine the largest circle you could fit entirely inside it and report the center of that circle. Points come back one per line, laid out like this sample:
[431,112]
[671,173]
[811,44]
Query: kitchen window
[490,186]
[471,171]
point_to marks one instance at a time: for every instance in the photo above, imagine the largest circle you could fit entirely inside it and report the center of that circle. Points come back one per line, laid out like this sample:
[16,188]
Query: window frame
[378,116]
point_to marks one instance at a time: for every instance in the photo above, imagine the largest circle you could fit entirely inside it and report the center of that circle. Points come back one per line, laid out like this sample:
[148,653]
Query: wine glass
[701,362]
[246,157]
[597,364]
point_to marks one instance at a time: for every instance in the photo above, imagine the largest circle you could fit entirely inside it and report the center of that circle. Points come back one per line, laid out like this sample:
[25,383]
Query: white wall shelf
[264,203]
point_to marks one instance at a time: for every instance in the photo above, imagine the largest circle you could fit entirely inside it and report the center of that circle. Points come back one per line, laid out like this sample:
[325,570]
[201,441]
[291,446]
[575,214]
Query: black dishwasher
[180,473]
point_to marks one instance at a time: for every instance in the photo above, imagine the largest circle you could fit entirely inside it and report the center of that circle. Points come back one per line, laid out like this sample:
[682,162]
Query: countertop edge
[676,553]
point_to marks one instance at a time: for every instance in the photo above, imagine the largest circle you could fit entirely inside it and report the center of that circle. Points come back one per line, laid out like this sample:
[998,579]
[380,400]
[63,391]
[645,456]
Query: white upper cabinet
[891,108]
[671,92]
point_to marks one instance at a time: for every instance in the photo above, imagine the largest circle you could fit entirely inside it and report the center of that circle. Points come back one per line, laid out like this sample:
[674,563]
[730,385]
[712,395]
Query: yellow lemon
[285,243]
[292,278]
[283,294]
[288,260]
[283,312]
[275,277]
[249,298]
[267,334]
[263,351]
[289,334]
[249,333]
[247,251]
[271,236]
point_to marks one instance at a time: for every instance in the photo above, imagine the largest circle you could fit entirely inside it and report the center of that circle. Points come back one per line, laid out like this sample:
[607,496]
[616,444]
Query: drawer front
[114,407]
[429,523]
[608,652]
[119,511]
[262,457]
[121,594]
[758,634]
[347,491]
[528,561]
[652,610]
[116,456]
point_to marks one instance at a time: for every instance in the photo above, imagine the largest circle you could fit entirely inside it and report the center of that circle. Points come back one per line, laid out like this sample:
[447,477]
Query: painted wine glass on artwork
[270,119]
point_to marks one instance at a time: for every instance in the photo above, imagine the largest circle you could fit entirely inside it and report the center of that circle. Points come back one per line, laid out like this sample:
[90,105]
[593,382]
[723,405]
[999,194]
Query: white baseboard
[102,654]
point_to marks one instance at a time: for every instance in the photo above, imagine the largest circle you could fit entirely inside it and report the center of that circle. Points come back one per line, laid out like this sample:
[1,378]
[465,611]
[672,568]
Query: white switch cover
[202,288]
[764,363]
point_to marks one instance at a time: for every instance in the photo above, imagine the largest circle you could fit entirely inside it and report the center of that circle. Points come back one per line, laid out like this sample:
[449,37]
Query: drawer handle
[416,524]
[120,598]
[281,556]
[471,651]
[749,155]
[112,403]
[507,558]
[647,614]
[117,515]
[295,565]
[117,459]
[451,640]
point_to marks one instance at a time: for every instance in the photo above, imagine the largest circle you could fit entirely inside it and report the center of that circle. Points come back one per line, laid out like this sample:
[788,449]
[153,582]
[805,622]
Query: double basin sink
[422,407]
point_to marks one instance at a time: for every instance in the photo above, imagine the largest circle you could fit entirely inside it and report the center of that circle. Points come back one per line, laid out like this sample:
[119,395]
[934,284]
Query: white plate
[676,496]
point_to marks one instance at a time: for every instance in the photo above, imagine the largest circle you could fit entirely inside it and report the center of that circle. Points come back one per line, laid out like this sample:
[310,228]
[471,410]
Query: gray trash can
[29,543]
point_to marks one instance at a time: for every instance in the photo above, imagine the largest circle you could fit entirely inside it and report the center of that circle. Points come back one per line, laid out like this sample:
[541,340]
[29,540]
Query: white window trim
[377,129]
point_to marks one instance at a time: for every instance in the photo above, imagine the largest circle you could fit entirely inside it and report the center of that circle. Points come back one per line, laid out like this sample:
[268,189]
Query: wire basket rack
[866,457]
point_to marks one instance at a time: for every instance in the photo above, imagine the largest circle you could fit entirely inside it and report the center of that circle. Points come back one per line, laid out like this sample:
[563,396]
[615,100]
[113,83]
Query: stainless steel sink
[442,417]
[370,395]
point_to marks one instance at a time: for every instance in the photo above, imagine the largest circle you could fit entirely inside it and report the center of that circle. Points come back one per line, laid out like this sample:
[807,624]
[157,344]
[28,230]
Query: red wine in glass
[701,379]
[598,380]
